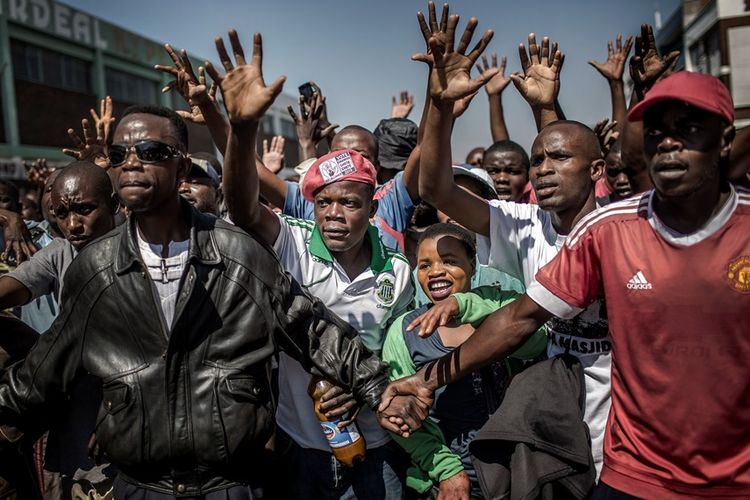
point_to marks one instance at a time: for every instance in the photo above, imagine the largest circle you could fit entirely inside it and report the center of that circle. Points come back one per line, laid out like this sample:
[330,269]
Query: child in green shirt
[439,449]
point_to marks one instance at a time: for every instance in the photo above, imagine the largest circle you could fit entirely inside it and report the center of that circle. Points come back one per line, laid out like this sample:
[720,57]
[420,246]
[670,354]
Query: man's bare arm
[494,89]
[272,187]
[500,335]
[246,98]
[449,82]
[612,69]
[540,83]
[13,293]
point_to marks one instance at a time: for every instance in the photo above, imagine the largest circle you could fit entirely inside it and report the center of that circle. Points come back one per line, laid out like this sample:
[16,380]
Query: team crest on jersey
[385,292]
[738,274]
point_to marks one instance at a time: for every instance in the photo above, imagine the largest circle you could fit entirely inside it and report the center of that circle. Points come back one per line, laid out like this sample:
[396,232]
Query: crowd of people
[564,322]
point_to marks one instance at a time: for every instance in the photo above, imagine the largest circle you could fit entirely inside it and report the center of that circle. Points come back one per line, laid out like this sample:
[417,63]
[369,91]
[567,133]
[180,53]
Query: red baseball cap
[697,89]
[342,165]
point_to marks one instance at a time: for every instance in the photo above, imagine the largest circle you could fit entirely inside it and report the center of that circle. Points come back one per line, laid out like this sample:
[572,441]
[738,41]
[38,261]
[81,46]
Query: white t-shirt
[369,303]
[522,240]
[165,273]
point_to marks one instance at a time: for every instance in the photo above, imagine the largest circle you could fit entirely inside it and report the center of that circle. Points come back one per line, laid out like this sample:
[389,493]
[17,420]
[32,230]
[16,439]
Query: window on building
[705,54]
[32,63]
[53,91]
[129,88]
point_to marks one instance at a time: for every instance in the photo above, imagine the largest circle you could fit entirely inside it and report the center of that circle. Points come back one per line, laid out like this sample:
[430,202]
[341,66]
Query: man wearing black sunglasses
[178,314]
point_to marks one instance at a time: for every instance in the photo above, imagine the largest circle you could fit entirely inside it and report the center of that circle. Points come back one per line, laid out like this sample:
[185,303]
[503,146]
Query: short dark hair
[474,151]
[590,138]
[508,146]
[359,128]
[177,122]
[424,216]
[453,230]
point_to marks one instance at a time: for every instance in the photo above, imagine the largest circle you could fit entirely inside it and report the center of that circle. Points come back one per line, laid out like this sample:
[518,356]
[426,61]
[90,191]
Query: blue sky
[359,51]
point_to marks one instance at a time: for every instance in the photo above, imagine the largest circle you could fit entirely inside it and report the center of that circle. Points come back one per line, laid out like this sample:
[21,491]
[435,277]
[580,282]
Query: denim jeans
[317,474]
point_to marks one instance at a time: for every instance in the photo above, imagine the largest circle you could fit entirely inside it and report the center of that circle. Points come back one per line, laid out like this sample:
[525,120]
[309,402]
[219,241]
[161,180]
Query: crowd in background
[559,322]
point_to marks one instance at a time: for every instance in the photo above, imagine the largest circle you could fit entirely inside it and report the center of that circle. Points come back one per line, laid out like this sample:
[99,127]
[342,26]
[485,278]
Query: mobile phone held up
[306,90]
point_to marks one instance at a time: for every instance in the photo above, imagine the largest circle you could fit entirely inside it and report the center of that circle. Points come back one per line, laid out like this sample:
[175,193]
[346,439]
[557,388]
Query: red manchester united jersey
[679,310]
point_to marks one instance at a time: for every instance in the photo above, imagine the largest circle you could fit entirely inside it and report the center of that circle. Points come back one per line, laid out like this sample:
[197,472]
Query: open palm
[450,79]
[540,85]
[246,96]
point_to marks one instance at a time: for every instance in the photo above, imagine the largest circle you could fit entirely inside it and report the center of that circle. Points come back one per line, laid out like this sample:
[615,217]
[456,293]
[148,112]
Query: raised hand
[606,133]
[19,245]
[246,96]
[195,115]
[438,31]
[402,108]
[438,315]
[273,156]
[461,105]
[646,66]
[193,89]
[307,123]
[104,119]
[499,82]
[91,148]
[323,123]
[37,172]
[617,55]
[450,78]
[540,82]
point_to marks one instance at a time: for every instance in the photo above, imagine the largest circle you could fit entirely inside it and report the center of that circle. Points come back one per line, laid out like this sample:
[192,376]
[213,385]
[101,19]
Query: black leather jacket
[185,410]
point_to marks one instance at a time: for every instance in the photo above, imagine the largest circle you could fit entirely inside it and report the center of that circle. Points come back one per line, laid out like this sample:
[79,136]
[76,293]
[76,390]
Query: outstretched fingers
[258,50]
[215,75]
[423,26]
[77,141]
[523,57]
[468,35]
[167,69]
[173,55]
[650,37]
[545,51]
[450,33]
[187,66]
[239,53]
[294,116]
[432,17]
[444,18]
[519,82]
[88,133]
[223,55]
[557,61]
[533,49]
[481,45]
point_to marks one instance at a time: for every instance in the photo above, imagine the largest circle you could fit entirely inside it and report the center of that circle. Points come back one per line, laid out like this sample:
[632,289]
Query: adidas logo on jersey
[639,282]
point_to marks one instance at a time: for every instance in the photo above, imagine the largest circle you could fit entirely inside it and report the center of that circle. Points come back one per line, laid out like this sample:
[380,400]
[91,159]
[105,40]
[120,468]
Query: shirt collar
[379,262]
[202,246]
